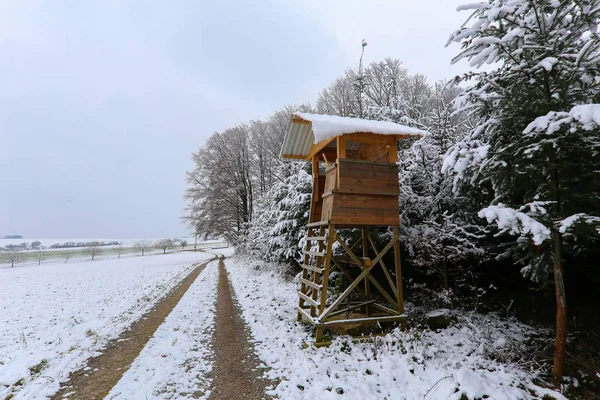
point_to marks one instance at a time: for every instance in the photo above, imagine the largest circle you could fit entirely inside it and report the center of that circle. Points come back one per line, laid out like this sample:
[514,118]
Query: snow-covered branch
[516,222]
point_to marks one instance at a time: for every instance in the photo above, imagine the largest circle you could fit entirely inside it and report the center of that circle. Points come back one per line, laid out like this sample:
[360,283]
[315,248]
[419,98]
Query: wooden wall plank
[360,189]
[391,175]
[367,182]
[347,221]
[354,166]
[365,212]
[327,208]
[364,201]
[330,180]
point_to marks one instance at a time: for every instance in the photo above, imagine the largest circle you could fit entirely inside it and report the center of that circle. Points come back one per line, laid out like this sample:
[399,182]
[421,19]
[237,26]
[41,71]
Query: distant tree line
[35,245]
[68,245]
[18,253]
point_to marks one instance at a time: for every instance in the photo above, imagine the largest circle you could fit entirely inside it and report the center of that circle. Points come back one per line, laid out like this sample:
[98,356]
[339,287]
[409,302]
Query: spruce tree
[537,150]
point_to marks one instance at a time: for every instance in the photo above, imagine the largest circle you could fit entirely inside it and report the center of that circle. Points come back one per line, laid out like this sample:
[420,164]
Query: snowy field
[78,254]
[415,364]
[175,363]
[54,317]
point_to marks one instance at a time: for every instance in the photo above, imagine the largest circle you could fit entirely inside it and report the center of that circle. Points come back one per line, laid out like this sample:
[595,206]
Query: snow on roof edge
[328,126]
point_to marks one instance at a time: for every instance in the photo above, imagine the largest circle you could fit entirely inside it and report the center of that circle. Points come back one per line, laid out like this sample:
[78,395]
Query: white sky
[102,103]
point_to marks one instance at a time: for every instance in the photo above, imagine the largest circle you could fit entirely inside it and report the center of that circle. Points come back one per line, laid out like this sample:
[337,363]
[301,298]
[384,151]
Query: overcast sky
[103,102]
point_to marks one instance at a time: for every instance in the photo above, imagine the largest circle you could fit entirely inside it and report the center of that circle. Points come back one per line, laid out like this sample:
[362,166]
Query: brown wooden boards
[366,201]
[330,180]
[368,178]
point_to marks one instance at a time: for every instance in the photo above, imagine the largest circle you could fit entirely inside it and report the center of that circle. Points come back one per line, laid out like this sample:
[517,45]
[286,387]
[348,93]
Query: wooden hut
[355,185]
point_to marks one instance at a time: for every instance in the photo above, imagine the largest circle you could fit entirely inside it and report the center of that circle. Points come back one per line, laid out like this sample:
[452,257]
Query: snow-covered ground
[175,363]
[414,364]
[54,317]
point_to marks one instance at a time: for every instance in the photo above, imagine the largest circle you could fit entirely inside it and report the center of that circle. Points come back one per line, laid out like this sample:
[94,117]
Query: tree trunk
[561,307]
[559,284]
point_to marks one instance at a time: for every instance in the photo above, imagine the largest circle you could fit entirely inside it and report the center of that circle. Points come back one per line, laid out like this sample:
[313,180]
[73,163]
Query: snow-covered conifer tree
[537,149]
[278,229]
[439,228]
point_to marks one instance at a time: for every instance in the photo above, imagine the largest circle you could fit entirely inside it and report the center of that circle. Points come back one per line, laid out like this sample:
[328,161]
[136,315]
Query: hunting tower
[355,185]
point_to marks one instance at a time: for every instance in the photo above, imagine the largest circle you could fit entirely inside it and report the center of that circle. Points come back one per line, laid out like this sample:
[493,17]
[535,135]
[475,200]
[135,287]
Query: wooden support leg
[365,251]
[319,334]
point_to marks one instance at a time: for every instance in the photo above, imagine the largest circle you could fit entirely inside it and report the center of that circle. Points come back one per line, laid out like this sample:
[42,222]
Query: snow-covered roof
[307,129]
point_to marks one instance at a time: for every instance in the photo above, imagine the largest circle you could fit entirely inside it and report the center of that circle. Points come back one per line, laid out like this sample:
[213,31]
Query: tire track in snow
[177,360]
[102,373]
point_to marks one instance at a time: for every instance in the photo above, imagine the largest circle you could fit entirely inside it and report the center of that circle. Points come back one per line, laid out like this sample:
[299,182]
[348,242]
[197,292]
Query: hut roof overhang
[308,132]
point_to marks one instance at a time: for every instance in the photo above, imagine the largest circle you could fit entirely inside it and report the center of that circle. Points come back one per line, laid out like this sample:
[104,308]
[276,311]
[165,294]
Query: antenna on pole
[360,85]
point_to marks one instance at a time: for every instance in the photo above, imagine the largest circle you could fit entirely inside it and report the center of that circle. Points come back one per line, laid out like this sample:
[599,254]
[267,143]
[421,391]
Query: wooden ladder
[315,269]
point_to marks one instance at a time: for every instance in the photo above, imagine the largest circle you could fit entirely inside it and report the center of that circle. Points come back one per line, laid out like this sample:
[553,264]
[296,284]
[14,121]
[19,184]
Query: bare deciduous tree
[120,250]
[93,249]
[232,169]
[142,246]
[164,245]
[14,256]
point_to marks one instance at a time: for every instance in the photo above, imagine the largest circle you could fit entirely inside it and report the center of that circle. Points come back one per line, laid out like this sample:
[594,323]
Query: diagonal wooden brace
[378,258]
[344,294]
[386,272]
[385,250]
[356,260]
[365,272]
[371,279]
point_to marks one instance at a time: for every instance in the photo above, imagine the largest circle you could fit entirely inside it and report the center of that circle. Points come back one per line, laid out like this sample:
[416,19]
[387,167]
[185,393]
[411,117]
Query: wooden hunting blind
[355,185]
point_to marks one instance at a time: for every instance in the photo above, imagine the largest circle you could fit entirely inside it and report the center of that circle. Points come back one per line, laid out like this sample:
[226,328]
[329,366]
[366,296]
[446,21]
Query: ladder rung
[311,284]
[318,223]
[308,299]
[318,238]
[314,253]
[313,269]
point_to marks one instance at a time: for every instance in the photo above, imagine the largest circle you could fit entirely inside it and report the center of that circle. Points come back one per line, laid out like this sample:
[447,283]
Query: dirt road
[236,373]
